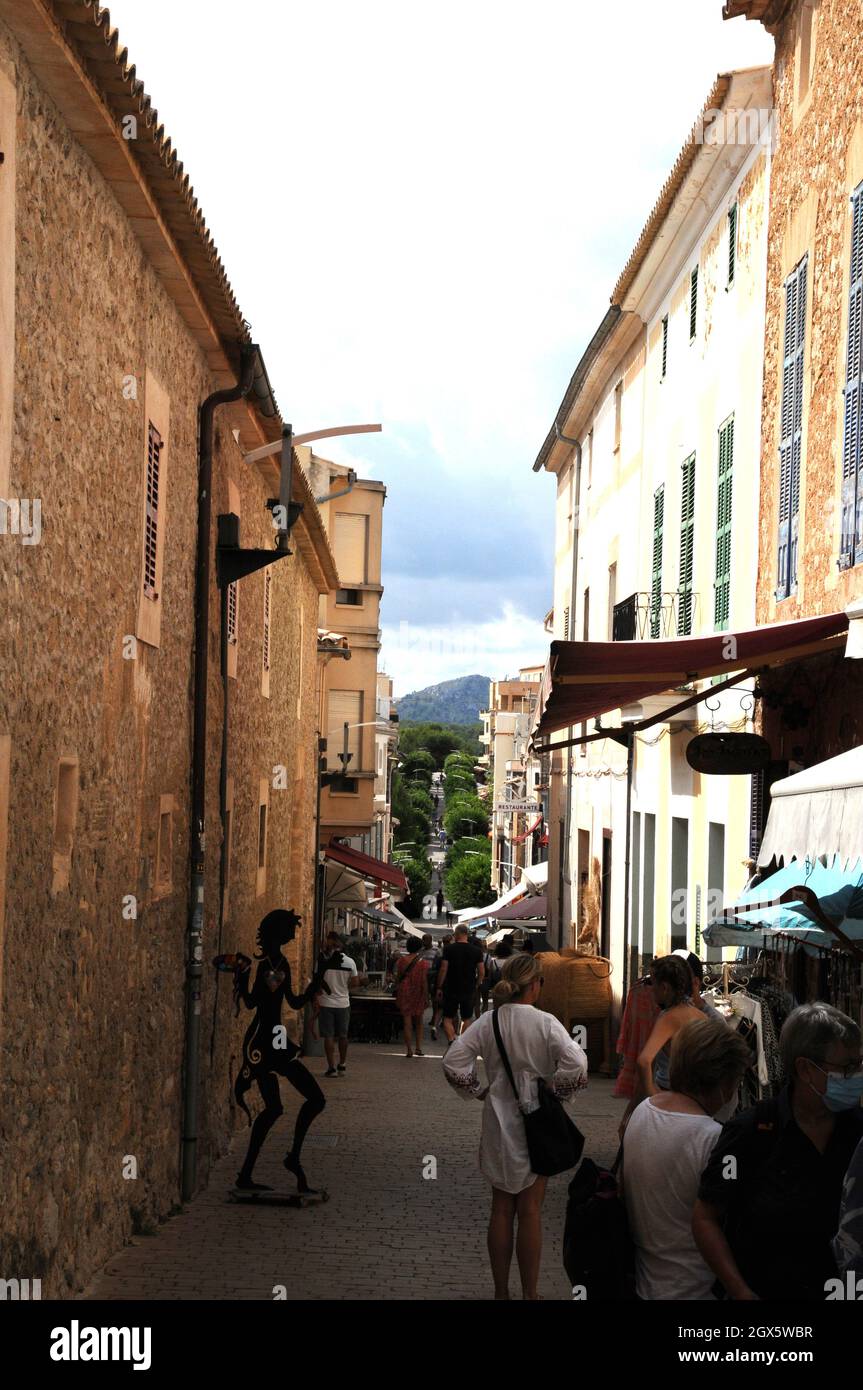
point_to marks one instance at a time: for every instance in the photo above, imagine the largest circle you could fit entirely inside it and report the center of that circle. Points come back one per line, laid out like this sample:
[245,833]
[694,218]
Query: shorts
[333,1023]
[463,1004]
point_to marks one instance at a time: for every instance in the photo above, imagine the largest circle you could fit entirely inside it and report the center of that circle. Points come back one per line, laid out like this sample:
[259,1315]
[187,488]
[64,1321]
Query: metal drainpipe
[569,752]
[195,934]
[331,496]
[630,768]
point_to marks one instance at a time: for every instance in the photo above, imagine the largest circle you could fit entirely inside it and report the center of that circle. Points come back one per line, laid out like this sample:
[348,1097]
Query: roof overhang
[769,12]
[586,679]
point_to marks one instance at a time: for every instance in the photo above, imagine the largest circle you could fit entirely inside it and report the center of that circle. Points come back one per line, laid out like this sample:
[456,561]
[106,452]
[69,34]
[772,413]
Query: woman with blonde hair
[538,1046]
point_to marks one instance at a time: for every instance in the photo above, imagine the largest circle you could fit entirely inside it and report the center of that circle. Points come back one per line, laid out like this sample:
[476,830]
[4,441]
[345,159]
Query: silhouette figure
[264,1062]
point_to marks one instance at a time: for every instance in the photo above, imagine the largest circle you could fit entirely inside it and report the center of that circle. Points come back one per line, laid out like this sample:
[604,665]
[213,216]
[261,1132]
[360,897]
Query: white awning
[535,877]
[817,811]
[518,890]
[406,923]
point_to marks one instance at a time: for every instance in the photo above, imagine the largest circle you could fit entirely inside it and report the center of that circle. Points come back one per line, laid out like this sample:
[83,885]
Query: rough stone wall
[811,158]
[93,1010]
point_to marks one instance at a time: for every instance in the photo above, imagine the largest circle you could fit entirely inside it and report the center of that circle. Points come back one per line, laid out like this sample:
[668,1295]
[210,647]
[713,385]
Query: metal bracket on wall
[232,562]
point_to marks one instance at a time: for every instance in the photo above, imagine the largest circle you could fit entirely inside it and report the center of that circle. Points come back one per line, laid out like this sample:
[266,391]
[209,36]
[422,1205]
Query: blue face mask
[843,1092]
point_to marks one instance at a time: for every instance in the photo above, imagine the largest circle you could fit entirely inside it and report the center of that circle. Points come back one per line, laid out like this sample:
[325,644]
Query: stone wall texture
[92,1011]
[809,162]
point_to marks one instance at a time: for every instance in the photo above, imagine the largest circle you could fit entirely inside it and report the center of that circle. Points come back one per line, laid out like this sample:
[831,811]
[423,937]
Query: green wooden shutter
[693,303]
[791,429]
[664,346]
[722,585]
[687,535]
[656,575]
[851,543]
[732,242]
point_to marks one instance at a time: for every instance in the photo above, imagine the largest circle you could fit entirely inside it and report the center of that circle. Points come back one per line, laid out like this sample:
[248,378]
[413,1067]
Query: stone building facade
[121,323]
[811,506]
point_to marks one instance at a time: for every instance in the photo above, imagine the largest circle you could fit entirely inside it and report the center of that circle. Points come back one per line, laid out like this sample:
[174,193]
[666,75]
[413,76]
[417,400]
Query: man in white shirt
[340,976]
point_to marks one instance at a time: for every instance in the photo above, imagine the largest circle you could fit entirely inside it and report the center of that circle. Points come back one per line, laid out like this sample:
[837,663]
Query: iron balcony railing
[666,613]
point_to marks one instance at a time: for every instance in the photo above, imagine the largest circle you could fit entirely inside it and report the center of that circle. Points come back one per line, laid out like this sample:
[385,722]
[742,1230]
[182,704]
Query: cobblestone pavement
[386,1232]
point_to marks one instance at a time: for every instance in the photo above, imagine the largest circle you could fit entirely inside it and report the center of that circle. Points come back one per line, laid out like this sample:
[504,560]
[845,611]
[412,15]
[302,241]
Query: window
[791,429]
[154,485]
[679,882]
[352,597]
[656,572]
[232,613]
[612,599]
[164,874]
[351,547]
[693,303]
[687,552]
[618,414]
[151,523]
[722,582]
[65,820]
[566,624]
[266,631]
[8,123]
[585,622]
[263,831]
[5,758]
[732,242]
[344,707]
[851,540]
[664,347]
[805,50]
[228,832]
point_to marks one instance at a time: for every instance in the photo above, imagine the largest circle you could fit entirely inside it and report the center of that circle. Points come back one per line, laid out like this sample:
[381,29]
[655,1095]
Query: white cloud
[423,208]
[419,656]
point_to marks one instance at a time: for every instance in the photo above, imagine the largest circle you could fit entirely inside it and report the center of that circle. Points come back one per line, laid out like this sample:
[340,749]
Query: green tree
[468,883]
[418,871]
[465,815]
[419,762]
[420,799]
[468,844]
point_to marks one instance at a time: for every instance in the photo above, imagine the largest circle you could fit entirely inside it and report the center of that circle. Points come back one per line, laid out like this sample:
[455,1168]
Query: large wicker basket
[576,988]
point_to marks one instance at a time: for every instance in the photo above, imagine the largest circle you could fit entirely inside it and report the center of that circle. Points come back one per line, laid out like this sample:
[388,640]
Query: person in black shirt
[768,1203]
[460,972]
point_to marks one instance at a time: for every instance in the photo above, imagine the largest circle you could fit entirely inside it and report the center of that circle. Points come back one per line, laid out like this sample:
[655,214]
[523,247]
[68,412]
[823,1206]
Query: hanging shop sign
[729,754]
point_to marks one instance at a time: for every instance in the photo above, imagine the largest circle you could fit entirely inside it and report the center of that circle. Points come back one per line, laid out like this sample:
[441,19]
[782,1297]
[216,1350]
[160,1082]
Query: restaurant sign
[728,754]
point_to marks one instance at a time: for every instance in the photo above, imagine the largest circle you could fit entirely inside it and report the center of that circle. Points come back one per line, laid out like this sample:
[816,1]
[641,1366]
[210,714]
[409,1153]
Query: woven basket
[576,987]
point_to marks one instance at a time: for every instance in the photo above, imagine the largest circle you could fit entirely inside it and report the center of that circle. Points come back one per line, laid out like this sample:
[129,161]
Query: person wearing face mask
[768,1204]
[668,1143]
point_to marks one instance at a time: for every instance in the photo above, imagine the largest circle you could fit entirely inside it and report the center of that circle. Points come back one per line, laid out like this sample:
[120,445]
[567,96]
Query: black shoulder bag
[554,1144]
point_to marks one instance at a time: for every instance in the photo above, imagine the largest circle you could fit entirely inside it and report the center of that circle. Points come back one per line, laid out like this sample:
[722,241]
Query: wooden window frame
[693,304]
[267,631]
[851,506]
[656,562]
[733,219]
[64,835]
[792,391]
[262,841]
[724,523]
[664,363]
[157,417]
[685,615]
[163,886]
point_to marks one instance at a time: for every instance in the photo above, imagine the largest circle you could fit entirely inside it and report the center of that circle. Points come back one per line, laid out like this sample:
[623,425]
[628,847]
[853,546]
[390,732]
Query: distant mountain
[451,702]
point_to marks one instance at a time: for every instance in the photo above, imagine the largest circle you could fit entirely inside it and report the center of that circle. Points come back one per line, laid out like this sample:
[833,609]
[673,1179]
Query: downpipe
[197,837]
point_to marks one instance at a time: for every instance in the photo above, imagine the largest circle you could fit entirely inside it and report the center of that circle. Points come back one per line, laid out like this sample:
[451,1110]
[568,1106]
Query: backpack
[493,972]
[598,1252]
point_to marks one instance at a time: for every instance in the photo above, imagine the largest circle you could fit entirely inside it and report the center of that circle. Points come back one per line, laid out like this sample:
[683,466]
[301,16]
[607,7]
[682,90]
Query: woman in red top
[412,993]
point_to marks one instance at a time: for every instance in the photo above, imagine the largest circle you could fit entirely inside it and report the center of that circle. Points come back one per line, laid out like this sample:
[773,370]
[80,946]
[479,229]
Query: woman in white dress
[538,1046]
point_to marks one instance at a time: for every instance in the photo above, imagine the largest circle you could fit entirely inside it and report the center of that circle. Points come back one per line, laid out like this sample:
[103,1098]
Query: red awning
[586,679]
[367,866]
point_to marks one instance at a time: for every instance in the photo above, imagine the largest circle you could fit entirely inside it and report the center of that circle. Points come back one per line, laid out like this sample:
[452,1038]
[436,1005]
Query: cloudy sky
[422,210]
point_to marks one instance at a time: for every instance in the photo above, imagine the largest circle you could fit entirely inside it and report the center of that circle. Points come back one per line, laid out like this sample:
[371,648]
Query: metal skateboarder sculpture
[267,1051]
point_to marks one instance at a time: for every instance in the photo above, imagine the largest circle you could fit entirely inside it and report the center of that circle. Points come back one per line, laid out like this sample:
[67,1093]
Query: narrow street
[386,1232]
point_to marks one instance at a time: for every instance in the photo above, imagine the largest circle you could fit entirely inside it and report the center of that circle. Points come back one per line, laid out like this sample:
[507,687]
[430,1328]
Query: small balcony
[669,613]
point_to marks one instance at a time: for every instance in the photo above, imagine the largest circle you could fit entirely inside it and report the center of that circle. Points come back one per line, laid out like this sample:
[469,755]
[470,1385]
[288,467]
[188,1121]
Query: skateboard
[278,1199]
